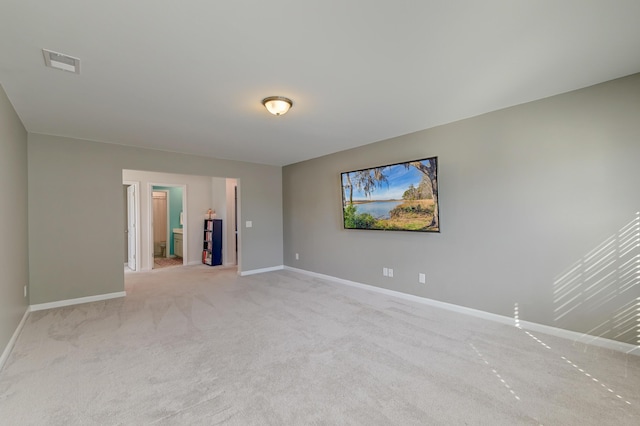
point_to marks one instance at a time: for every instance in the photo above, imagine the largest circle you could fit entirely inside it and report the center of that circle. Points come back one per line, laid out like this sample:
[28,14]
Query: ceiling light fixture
[277,105]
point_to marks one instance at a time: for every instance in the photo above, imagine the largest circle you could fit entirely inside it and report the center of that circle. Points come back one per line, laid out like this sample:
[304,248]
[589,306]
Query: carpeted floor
[201,346]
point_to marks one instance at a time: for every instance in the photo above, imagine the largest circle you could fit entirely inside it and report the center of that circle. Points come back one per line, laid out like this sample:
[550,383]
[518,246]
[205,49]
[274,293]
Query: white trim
[239,218]
[12,341]
[260,271]
[541,328]
[79,300]
[136,184]
[587,339]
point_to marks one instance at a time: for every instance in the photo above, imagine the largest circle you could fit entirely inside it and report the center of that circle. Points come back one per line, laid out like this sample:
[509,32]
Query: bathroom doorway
[167,225]
[160,231]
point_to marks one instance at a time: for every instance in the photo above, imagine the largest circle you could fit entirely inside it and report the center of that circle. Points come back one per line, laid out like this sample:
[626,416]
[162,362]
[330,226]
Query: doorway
[235,219]
[200,193]
[160,223]
[167,233]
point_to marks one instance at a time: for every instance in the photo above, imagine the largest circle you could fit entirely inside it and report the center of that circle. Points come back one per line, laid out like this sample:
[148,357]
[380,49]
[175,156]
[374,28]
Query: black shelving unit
[212,242]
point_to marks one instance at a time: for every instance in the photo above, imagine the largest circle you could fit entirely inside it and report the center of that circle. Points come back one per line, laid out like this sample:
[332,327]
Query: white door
[131,226]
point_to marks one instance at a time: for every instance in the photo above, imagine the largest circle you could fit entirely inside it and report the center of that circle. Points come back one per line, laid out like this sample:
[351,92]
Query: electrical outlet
[249,224]
[297,256]
[390,273]
[422,278]
[385,272]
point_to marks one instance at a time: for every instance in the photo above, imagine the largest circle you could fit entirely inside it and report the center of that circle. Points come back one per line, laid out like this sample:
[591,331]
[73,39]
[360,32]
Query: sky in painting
[399,179]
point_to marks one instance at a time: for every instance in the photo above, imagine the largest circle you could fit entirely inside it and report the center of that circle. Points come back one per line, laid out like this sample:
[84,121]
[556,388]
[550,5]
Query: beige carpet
[201,346]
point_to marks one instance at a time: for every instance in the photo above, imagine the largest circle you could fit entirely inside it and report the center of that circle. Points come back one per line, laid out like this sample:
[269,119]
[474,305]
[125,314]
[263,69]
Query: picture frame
[394,197]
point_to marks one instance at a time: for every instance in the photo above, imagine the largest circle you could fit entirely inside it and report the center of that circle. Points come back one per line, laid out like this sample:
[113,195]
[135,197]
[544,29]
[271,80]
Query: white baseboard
[195,262]
[12,341]
[582,338]
[260,271]
[553,331]
[79,300]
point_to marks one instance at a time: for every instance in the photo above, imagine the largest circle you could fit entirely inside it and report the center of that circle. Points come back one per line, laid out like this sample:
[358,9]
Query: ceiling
[188,76]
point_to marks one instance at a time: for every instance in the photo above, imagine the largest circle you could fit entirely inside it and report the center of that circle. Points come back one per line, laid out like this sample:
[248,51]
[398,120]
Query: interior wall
[538,206]
[14,263]
[77,183]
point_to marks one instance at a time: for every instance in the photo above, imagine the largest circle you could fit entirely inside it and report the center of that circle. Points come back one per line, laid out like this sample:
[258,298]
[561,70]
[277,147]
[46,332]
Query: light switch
[249,224]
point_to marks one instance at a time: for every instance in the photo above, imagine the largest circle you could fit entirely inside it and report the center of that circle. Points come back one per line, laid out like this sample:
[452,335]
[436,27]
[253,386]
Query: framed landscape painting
[395,197]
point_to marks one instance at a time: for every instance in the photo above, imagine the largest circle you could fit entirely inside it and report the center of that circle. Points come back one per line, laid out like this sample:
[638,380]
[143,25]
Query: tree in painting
[429,168]
[365,180]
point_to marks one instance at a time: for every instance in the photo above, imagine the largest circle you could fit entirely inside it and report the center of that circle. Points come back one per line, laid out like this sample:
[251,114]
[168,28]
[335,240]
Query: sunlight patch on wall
[602,281]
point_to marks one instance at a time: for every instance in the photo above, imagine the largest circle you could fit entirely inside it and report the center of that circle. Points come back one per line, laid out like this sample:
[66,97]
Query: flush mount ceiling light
[277,105]
[61,61]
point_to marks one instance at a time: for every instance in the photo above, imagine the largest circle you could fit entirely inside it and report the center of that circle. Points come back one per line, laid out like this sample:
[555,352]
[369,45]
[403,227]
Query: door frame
[167,230]
[136,203]
[185,226]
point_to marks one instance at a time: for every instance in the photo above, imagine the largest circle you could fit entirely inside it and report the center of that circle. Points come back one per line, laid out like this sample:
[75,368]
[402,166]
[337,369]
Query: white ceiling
[188,76]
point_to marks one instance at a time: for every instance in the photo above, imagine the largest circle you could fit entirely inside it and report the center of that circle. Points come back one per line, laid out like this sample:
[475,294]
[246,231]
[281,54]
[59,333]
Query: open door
[131,226]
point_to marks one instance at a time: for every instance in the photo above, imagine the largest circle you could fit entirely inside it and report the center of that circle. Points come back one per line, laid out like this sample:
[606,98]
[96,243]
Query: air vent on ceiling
[61,62]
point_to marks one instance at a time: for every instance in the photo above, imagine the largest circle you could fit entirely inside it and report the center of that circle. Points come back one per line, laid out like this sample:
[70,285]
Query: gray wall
[76,221]
[14,264]
[538,206]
